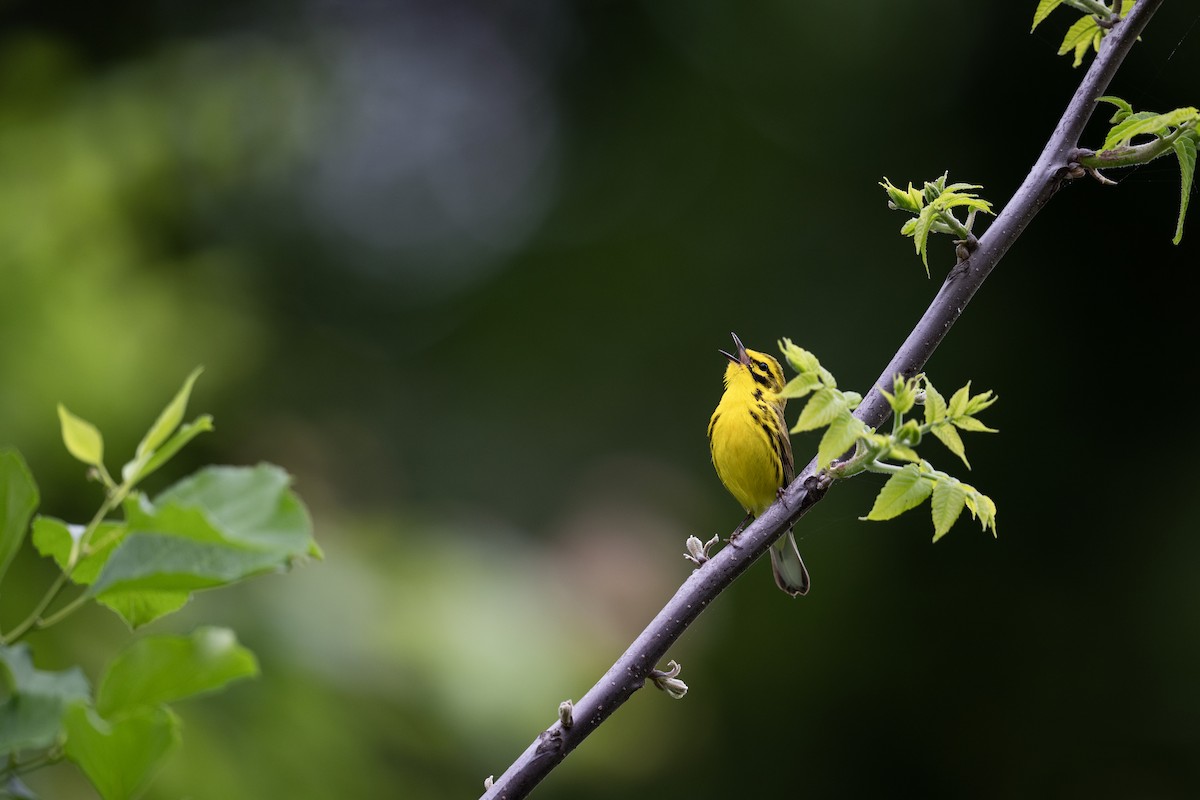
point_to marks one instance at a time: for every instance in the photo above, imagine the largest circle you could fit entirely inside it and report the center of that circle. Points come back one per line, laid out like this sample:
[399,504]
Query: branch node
[965,247]
[1072,172]
[548,741]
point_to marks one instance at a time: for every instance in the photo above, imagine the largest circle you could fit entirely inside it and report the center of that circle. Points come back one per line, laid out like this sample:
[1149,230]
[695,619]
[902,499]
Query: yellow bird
[752,452]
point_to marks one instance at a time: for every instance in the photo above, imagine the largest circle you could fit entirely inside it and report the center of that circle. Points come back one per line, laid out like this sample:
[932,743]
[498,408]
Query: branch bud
[669,682]
[566,713]
[697,551]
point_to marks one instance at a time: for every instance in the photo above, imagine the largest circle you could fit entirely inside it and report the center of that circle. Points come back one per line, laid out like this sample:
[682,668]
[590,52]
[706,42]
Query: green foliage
[1176,133]
[1130,124]
[827,407]
[162,429]
[912,483]
[219,526]
[122,739]
[120,756]
[1088,31]
[81,438]
[162,669]
[210,529]
[933,209]
[34,701]
[18,501]
[1185,151]
[1085,34]
[914,480]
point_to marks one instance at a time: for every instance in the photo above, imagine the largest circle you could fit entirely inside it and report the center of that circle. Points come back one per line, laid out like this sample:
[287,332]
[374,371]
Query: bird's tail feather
[790,573]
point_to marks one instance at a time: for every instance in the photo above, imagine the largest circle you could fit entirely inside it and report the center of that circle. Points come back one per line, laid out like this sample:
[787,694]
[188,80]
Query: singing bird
[751,450]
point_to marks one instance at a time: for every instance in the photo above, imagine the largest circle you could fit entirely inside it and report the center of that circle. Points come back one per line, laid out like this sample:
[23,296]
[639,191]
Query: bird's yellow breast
[743,451]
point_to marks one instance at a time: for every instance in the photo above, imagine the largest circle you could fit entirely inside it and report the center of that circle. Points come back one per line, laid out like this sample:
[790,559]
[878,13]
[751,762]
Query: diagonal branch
[1055,166]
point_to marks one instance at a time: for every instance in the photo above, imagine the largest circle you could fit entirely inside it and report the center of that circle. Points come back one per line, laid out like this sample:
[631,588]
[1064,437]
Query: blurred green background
[463,269]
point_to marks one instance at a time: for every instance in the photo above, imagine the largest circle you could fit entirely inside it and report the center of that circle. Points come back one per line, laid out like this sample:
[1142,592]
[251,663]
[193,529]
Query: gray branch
[1055,166]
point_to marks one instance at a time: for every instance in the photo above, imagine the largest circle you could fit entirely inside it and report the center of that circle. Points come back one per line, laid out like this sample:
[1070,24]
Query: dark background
[463,269]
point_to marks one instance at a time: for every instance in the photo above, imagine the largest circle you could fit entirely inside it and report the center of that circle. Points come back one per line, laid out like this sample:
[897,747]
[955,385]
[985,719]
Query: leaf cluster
[827,406]
[217,526]
[121,737]
[933,207]
[861,449]
[911,483]
[1175,132]
[1088,31]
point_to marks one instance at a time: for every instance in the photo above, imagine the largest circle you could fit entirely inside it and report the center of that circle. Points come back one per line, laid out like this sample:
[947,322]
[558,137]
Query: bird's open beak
[741,357]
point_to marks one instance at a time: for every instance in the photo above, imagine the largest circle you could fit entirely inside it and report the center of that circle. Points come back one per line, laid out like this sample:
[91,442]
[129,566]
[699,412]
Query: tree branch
[629,673]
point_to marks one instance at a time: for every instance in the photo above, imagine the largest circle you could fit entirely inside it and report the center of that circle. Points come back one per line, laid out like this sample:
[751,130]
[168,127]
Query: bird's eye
[763,366]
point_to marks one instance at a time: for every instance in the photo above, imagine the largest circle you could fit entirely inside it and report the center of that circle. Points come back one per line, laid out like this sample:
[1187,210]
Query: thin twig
[630,671]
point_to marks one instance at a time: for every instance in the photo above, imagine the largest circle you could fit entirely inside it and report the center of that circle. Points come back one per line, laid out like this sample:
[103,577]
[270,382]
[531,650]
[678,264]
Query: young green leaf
[904,490]
[800,359]
[908,434]
[18,500]
[957,405]
[962,405]
[902,453]
[840,437]
[949,497]
[1044,8]
[162,669]
[827,378]
[32,701]
[1123,108]
[956,196]
[1088,32]
[55,539]
[928,216]
[972,425]
[820,410]
[934,188]
[81,437]
[1085,33]
[801,386]
[935,404]
[1185,151]
[903,395]
[980,402]
[910,200]
[948,436]
[981,507]
[1146,123]
[120,757]
[170,417]
[138,469]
